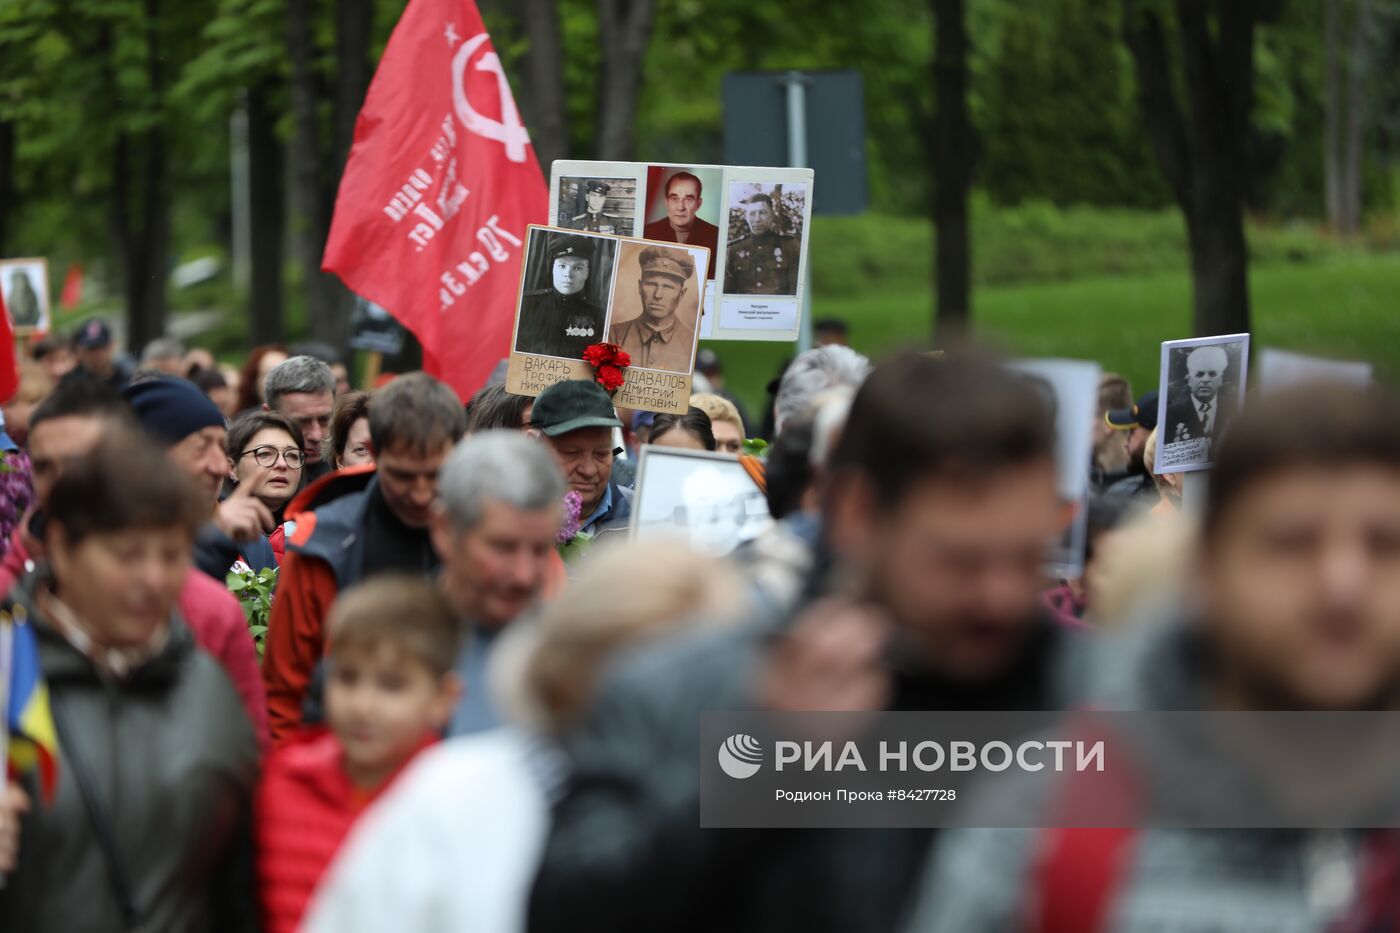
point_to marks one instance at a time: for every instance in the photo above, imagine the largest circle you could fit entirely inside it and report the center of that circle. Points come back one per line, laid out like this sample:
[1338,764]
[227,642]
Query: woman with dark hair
[266,460]
[348,443]
[493,407]
[690,431]
[255,369]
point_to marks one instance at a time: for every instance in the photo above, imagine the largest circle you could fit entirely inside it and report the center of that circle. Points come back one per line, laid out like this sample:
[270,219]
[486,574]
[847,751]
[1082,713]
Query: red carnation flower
[609,377]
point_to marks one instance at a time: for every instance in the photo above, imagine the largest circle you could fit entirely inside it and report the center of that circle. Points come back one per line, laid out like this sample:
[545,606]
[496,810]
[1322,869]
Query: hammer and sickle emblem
[508,131]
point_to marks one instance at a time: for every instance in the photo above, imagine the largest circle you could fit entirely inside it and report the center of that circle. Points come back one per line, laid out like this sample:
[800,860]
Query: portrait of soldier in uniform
[1204,386]
[764,262]
[663,336]
[26,299]
[596,205]
[561,320]
[684,196]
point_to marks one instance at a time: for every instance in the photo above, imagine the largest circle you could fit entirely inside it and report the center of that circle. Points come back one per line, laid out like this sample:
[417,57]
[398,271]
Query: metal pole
[796,84]
[240,182]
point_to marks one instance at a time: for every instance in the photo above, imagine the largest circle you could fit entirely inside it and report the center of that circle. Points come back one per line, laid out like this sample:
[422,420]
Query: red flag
[72,293]
[439,187]
[9,366]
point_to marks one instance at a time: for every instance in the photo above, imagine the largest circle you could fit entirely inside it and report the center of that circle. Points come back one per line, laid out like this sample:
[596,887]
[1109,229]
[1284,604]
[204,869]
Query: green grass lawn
[1343,306]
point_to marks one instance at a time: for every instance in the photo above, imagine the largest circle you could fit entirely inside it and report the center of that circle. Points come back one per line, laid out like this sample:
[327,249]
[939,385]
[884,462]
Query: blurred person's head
[495,525]
[348,443]
[414,422]
[54,354]
[725,423]
[814,372]
[165,355]
[1138,421]
[690,431]
[34,387]
[182,419]
[266,454]
[261,361]
[213,384]
[1299,564]
[576,419]
[545,672]
[197,360]
[941,502]
[391,686]
[1110,445]
[302,390]
[707,364]
[492,408]
[788,476]
[67,425]
[342,378]
[1105,519]
[118,538]
[831,330]
[92,347]
[1169,485]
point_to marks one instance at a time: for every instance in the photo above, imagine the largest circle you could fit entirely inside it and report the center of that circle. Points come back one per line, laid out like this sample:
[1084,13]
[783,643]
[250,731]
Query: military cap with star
[562,245]
[663,261]
[597,184]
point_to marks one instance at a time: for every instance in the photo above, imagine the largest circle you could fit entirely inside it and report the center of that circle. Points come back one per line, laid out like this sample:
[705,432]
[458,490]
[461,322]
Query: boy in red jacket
[390,692]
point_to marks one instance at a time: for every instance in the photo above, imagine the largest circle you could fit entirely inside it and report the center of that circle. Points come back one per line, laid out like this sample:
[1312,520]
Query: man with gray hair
[302,390]
[814,373]
[165,355]
[494,527]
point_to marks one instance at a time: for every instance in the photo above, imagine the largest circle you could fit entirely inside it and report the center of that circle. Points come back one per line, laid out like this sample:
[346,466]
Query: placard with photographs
[753,220]
[1278,369]
[1073,388]
[24,284]
[704,498]
[1203,382]
[580,288]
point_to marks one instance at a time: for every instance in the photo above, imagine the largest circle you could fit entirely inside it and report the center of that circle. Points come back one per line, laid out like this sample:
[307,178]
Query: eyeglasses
[267,456]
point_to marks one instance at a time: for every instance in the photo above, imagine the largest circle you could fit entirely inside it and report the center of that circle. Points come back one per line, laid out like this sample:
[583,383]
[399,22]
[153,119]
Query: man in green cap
[765,261]
[661,338]
[560,320]
[576,419]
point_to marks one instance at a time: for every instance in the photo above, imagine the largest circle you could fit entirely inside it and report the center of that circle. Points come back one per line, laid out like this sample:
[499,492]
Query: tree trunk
[268,217]
[1202,152]
[308,198]
[952,171]
[7,182]
[544,71]
[1355,121]
[1332,167]
[624,27]
[354,19]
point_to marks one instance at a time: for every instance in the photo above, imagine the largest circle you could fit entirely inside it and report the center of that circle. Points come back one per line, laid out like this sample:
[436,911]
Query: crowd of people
[451,726]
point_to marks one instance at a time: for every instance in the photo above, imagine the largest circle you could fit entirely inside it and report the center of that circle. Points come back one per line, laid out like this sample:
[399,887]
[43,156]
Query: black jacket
[626,851]
[174,760]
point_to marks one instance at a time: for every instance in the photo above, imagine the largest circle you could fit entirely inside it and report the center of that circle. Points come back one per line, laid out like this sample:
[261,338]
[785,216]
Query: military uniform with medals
[553,324]
[598,223]
[762,265]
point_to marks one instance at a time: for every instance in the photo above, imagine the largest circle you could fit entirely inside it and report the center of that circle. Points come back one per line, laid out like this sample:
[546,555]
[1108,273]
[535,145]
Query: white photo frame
[704,498]
[1200,396]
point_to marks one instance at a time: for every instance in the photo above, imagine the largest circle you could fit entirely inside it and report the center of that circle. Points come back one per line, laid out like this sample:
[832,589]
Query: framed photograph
[656,306]
[1073,389]
[567,282]
[1203,382]
[597,205]
[713,208]
[704,498]
[24,284]
[765,238]
[579,289]
[679,211]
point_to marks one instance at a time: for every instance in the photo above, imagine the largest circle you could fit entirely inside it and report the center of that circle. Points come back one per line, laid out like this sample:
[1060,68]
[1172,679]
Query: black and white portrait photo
[765,238]
[705,499]
[1204,381]
[24,284]
[564,298]
[597,205]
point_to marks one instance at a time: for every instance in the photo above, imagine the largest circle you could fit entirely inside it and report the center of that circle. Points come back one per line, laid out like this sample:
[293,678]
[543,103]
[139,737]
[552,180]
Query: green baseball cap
[571,405]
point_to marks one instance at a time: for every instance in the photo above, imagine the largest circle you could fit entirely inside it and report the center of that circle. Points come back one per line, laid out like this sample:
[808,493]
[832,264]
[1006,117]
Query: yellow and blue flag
[32,739]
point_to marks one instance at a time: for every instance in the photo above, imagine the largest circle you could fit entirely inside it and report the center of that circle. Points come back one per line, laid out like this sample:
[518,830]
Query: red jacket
[304,809]
[212,613]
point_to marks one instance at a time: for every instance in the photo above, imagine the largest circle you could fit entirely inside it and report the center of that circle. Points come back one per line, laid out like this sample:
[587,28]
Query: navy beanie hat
[170,410]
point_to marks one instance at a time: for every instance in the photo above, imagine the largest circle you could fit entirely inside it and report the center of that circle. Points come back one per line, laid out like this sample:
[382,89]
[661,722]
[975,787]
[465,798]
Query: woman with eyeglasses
[266,455]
